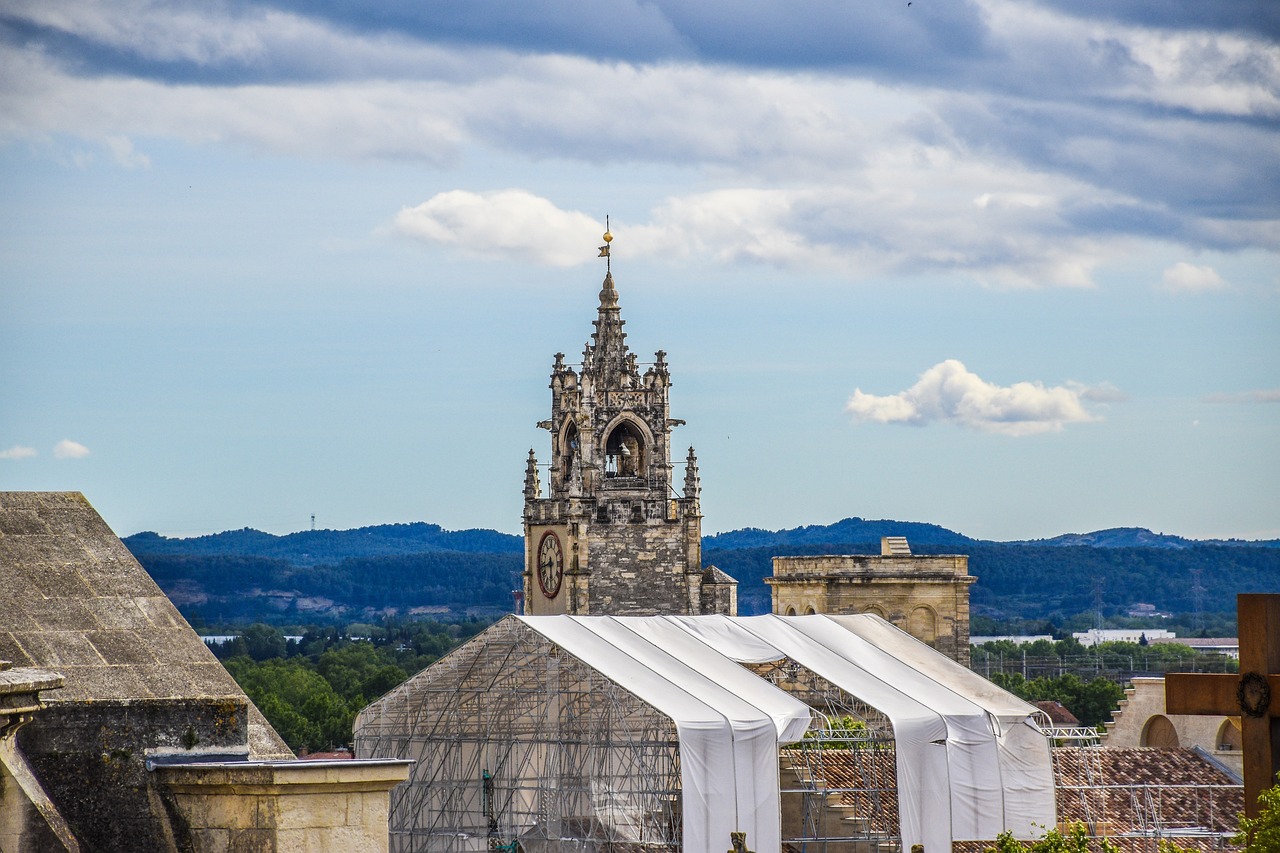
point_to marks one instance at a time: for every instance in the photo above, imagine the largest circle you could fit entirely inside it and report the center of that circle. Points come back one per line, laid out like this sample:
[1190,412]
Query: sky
[1008,267]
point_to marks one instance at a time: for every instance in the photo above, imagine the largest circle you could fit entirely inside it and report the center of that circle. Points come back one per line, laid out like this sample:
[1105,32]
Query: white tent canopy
[970,762]
[1026,767]
[728,746]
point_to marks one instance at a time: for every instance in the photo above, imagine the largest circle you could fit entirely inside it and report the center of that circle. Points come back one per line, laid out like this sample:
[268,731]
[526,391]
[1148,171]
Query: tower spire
[604,250]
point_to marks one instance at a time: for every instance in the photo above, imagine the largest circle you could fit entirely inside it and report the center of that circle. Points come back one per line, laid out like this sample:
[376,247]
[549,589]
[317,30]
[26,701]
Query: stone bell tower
[611,536]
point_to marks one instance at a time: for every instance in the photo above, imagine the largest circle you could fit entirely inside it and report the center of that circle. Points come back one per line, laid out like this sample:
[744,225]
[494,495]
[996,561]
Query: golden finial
[604,250]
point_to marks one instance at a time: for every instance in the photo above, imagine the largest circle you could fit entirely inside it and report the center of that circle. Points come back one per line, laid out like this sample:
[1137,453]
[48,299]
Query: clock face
[550,564]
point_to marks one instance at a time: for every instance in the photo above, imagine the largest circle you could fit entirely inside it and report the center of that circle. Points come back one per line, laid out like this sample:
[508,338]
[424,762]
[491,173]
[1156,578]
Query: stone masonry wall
[926,596]
[638,568]
[91,759]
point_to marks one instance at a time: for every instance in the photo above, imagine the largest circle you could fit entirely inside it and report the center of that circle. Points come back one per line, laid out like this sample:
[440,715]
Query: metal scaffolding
[520,746]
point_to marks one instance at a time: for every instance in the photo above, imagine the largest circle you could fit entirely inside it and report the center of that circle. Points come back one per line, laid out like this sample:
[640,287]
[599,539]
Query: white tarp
[1026,766]
[728,747]
[977,808]
[970,763]
[749,703]
[920,733]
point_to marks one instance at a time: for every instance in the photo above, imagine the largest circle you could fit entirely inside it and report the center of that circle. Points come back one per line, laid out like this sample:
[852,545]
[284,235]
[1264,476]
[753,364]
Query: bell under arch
[626,450]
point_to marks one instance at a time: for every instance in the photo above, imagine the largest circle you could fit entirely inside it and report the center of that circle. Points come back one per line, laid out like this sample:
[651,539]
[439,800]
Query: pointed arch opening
[625,452]
[568,450]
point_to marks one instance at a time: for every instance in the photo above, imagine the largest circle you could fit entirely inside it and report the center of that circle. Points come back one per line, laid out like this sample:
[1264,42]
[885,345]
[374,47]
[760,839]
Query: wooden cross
[1253,695]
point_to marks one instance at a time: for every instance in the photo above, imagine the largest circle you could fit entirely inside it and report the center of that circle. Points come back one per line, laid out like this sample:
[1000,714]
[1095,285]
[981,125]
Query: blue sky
[1009,267]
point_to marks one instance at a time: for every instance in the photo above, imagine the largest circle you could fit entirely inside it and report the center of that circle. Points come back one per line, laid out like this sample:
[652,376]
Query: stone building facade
[610,536]
[925,595]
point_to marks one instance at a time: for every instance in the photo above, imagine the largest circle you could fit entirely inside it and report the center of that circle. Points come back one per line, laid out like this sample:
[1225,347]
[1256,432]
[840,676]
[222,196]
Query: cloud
[1104,392]
[949,392]
[122,151]
[513,223]
[18,452]
[1020,144]
[1264,395]
[1183,277]
[68,449]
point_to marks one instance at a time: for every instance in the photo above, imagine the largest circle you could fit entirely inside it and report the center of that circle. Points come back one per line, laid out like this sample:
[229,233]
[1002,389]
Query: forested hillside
[418,569]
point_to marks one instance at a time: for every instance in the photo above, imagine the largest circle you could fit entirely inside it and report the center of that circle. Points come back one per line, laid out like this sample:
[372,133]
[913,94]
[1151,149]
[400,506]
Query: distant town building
[925,595]
[1228,646]
[1016,639]
[1141,610]
[612,537]
[1122,635]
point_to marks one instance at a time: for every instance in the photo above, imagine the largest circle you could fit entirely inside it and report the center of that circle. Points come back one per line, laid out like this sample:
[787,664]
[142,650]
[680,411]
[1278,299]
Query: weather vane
[604,250]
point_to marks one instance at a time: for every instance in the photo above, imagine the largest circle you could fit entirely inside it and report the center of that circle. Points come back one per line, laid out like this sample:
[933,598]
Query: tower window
[570,451]
[624,452]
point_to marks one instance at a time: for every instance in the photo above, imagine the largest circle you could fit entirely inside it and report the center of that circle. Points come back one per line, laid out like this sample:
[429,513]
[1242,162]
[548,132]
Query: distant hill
[848,530]
[1140,537]
[322,547]
[422,569]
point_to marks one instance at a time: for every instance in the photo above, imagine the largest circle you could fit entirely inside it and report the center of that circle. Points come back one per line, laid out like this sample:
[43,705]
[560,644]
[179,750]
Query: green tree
[296,700]
[1091,701]
[263,642]
[1261,834]
[1074,840]
[359,672]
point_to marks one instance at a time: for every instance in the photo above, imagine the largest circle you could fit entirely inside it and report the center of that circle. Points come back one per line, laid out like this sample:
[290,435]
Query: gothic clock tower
[611,536]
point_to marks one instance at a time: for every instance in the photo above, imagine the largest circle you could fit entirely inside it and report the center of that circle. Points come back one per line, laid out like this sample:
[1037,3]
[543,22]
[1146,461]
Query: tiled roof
[1058,713]
[1118,793]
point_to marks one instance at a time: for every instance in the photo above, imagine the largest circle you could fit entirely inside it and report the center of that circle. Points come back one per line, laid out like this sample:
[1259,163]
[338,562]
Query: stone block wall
[639,568]
[281,807]
[926,596]
[91,759]
[1141,720]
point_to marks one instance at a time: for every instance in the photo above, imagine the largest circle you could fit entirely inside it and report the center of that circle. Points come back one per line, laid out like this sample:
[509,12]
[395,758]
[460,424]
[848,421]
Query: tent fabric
[1026,766]
[755,732]
[970,762]
[977,802]
[728,747]
[920,733]
[791,716]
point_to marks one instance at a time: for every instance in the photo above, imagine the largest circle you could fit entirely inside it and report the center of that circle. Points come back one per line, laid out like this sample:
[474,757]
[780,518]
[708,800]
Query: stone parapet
[870,565]
[281,806]
[924,595]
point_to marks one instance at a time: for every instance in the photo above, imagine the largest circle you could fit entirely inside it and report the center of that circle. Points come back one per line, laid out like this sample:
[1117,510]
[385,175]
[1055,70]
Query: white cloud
[510,223]
[68,449]
[121,148]
[18,452]
[827,170]
[948,391]
[1262,395]
[1183,277]
[1103,392]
